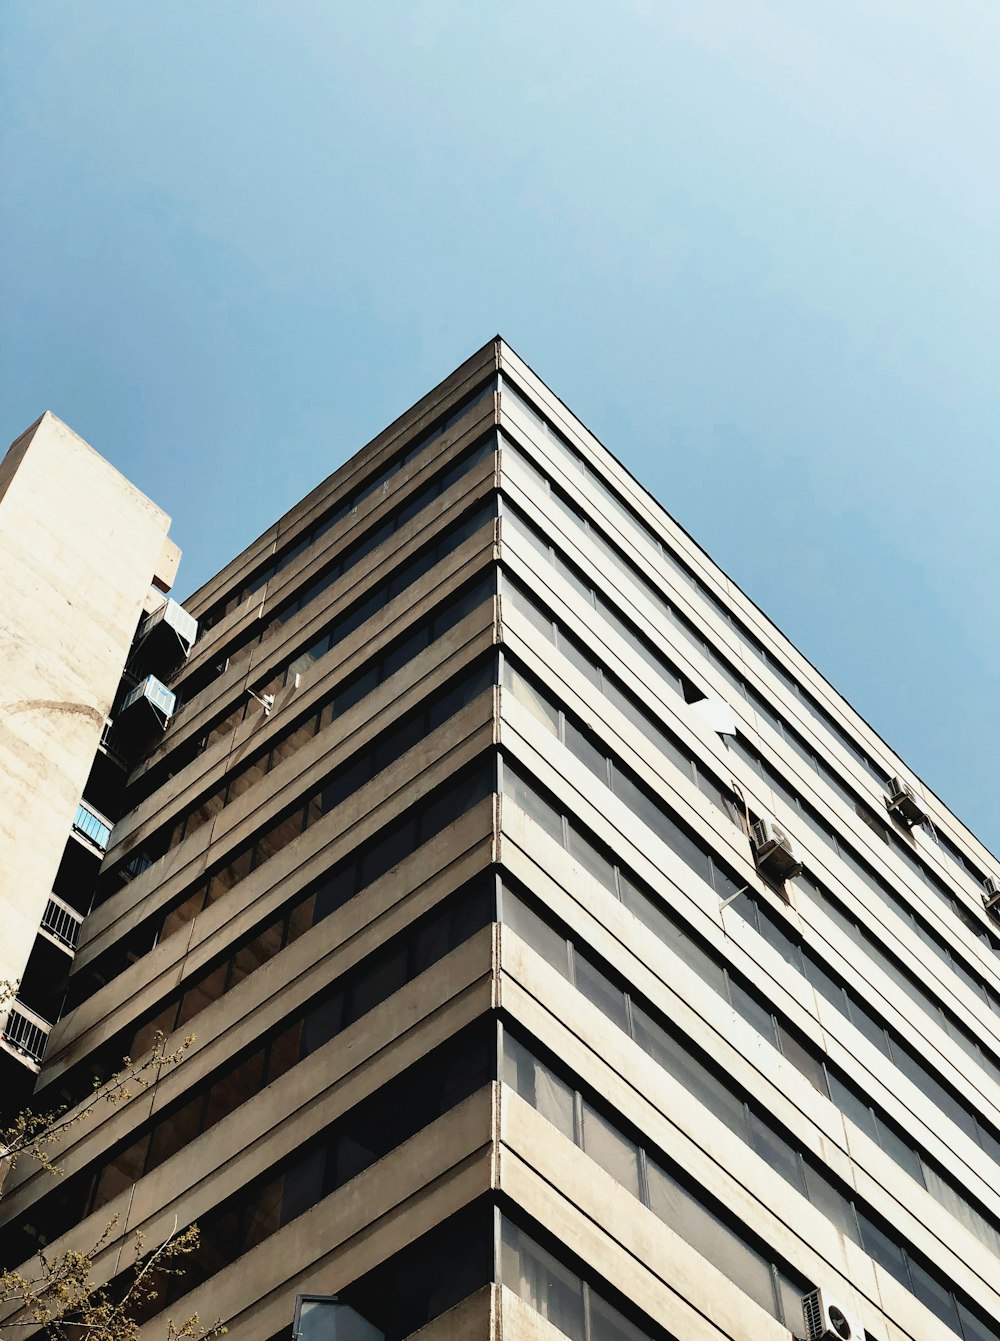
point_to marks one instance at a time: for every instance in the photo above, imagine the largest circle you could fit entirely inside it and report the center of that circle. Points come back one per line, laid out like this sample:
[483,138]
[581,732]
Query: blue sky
[752,244]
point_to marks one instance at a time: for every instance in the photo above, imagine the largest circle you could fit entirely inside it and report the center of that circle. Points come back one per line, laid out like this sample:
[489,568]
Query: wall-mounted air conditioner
[164,640]
[904,802]
[828,1320]
[773,851]
[150,697]
[991,893]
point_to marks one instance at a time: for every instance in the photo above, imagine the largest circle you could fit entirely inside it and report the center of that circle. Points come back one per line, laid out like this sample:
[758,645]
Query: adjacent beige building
[82,554]
[564,956]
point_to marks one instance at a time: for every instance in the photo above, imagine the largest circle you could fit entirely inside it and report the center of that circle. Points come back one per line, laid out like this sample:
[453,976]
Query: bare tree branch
[60,1298]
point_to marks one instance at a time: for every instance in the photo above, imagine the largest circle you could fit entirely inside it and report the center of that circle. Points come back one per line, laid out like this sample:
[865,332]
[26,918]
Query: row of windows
[391,845]
[558,1294]
[674,750]
[639,799]
[271,838]
[239,652]
[619,563]
[958,1109]
[463,1254]
[637,527]
[349,1145]
[588,749]
[342,1002]
[869,942]
[346,623]
[338,701]
[376,484]
[646,1176]
[667,927]
[623,1158]
[883,891]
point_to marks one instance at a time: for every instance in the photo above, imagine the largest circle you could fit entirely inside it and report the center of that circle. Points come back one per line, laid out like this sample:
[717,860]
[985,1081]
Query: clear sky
[752,243]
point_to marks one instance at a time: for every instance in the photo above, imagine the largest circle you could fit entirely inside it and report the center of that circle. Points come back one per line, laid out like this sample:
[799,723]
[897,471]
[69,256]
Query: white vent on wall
[904,802]
[716,715]
[773,851]
[828,1320]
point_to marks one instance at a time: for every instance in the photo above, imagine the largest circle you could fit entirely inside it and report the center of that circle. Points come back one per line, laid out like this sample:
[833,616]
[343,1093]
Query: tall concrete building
[564,956]
[83,554]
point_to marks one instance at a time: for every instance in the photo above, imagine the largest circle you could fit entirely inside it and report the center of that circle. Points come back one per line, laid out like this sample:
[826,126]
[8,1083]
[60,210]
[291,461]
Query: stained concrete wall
[79,548]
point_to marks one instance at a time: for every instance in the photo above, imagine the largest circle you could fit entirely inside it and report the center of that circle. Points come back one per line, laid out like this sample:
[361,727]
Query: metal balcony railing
[115,745]
[62,922]
[92,826]
[25,1032]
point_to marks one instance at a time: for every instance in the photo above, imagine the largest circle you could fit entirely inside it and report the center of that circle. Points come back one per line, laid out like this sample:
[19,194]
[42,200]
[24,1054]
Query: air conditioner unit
[991,893]
[828,1320]
[773,851]
[902,801]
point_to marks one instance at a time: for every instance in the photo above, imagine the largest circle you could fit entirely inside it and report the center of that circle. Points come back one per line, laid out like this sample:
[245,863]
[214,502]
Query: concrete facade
[80,550]
[502,1023]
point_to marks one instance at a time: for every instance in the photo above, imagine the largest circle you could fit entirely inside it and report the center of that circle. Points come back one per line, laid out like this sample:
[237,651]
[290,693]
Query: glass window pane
[528,800]
[546,1286]
[183,914]
[554,1100]
[234,1088]
[375,981]
[286,747]
[707,1234]
[256,952]
[431,943]
[180,1127]
[901,1152]
[865,1021]
[802,1059]
[615,1153]
[775,1150]
[588,856]
[776,936]
[125,1169]
[608,998]
[526,924]
[285,1051]
[607,1324]
[690,1072]
[931,1291]
[790,1298]
[823,983]
[387,851]
[587,751]
[853,1106]
[753,1011]
[324,1021]
[202,994]
[522,603]
[877,1244]
[831,1202]
[244,778]
[278,836]
[973,1327]
[583,663]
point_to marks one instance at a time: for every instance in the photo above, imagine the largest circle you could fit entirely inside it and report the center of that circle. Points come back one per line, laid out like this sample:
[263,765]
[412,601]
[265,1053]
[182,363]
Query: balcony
[25,1033]
[62,922]
[92,826]
[113,745]
[164,640]
[152,693]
